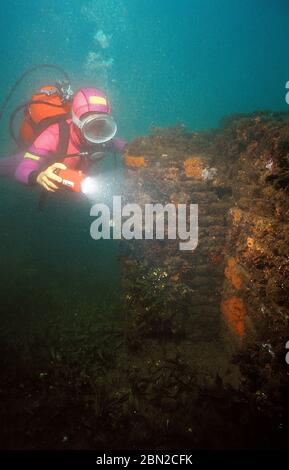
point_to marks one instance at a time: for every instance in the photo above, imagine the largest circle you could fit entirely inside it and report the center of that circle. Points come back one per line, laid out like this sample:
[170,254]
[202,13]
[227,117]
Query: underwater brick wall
[238,274]
[168,291]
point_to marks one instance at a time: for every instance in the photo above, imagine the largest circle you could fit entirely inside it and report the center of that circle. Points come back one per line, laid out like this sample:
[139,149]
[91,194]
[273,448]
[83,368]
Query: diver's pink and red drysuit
[26,165]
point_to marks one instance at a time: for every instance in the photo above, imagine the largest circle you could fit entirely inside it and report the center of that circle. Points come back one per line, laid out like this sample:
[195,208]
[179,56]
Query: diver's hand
[48,179]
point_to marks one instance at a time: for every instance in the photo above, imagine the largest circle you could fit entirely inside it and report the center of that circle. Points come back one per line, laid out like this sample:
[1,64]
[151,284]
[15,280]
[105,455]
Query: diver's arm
[38,156]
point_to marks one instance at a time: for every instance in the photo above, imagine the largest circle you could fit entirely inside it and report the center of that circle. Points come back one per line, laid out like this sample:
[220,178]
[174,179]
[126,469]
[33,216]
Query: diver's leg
[9,164]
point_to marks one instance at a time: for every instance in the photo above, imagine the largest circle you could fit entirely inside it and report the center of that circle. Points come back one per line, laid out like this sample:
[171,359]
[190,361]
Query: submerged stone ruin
[219,312]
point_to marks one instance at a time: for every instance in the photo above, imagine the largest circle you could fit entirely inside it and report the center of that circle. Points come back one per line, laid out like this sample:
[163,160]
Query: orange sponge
[134,161]
[231,273]
[194,167]
[234,311]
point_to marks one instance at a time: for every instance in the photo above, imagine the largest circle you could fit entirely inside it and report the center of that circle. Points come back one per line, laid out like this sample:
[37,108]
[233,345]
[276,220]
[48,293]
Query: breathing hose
[23,76]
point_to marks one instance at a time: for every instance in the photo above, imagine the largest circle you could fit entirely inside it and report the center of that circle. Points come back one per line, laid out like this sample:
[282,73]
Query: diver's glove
[48,178]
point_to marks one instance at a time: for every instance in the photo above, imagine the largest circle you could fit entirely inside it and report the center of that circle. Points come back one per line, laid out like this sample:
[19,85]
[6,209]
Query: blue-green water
[191,61]
[161,62]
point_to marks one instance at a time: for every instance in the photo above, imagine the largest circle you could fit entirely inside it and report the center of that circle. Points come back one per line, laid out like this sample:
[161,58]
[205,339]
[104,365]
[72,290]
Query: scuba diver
[61,131]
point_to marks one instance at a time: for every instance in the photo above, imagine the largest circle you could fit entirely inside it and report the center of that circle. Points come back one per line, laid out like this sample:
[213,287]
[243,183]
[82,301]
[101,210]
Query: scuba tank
[47,106]
[50,105]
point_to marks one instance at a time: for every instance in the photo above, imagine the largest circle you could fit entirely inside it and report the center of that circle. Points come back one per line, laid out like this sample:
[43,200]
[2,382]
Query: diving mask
[96,128]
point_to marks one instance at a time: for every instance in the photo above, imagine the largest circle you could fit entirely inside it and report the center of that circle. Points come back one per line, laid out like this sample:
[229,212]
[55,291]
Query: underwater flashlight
[77,181]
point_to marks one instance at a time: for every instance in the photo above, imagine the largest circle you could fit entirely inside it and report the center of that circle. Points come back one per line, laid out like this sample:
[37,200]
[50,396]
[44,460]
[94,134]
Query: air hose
[23,76]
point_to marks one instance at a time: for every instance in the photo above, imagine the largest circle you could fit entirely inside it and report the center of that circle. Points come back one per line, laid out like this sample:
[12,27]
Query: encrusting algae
[236,214]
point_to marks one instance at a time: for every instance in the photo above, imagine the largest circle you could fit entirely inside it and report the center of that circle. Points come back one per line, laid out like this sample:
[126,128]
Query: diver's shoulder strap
[64,134]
